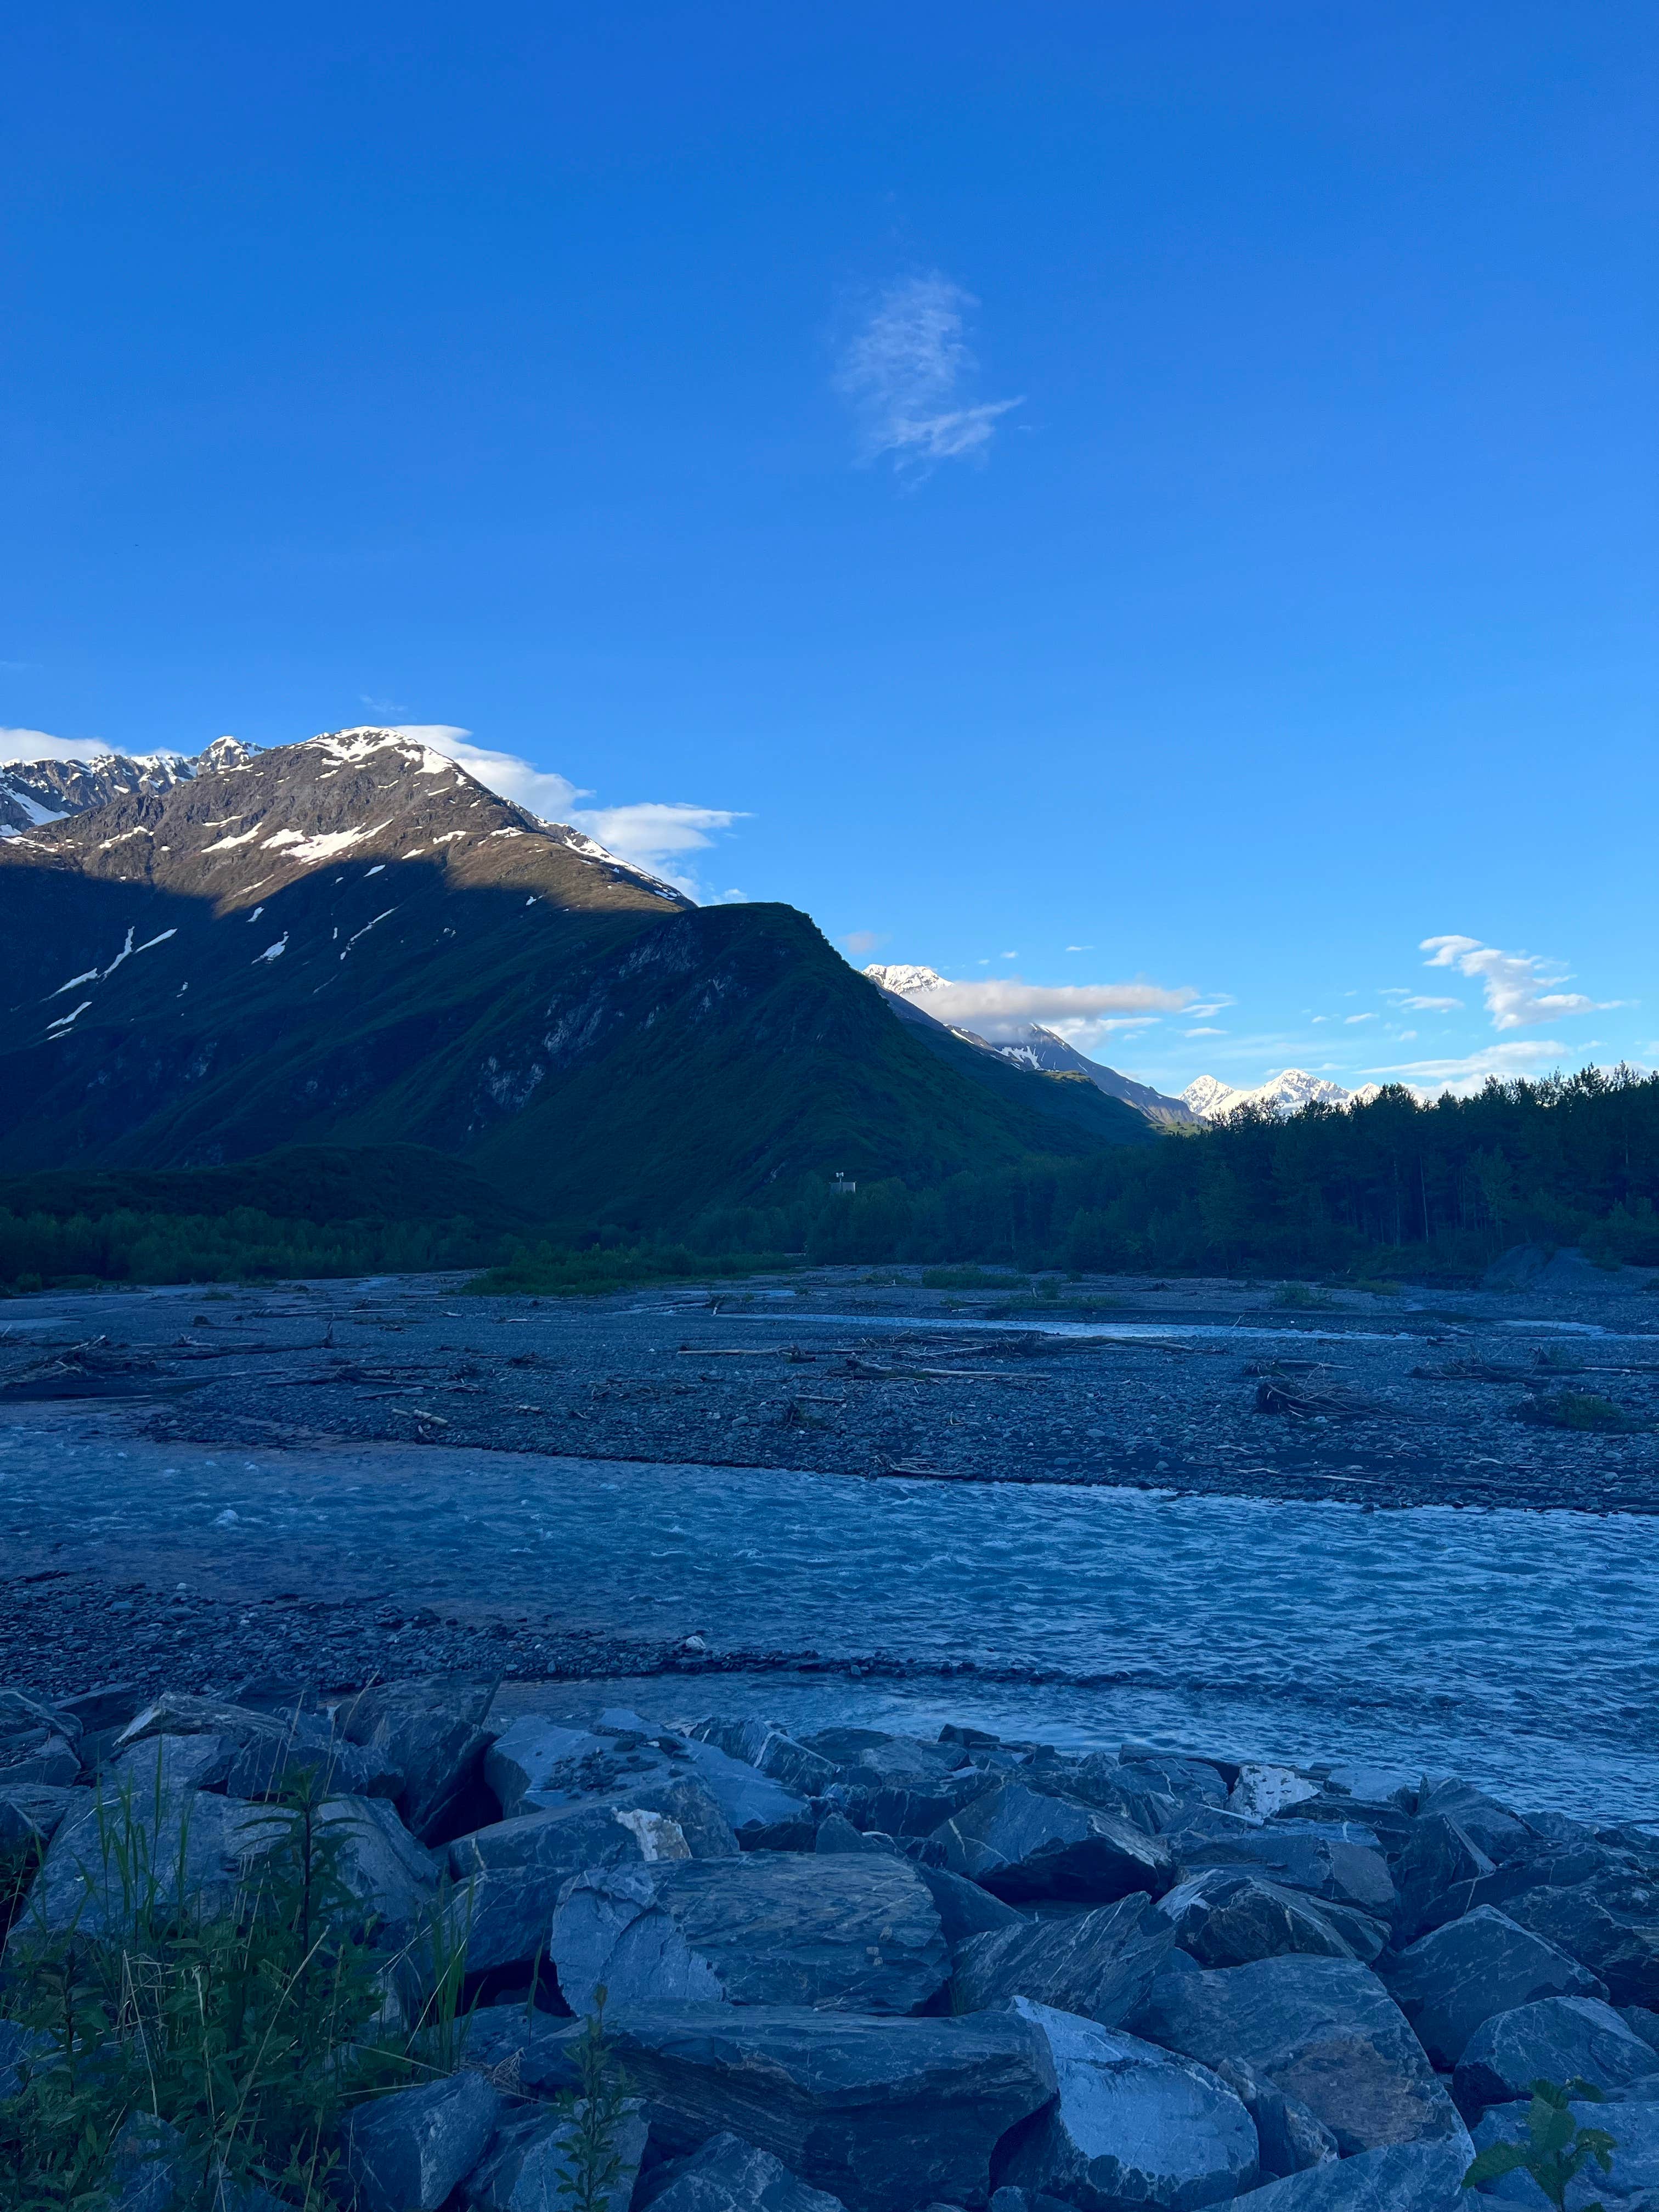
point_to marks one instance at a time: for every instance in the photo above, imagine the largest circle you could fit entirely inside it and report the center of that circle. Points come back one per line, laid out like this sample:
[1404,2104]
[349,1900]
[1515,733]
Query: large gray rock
[1099,1965]
[730,2175]
[1226,1917]
[426,1743]
[1550,1865]
[1609,1924]
[255,1753]
[157,1852]
[964,1909]
[1401,2178]
[527,2163]
[1338,1863]
[541,1762]
[846,1934]
[1131,2126]
[1324,2030]
[1019,1843]
[1631,2187]
[765,1744]
[1557,2040]
[507,1878]
[407,2151]
[1436,1858]
[886,2114]
[1290,2138]
[1455,1977]
[1493,1828]
[32,1812]
[902,1787]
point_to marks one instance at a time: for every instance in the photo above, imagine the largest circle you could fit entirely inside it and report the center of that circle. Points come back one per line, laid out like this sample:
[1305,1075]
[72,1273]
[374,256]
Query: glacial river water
[1515,1648]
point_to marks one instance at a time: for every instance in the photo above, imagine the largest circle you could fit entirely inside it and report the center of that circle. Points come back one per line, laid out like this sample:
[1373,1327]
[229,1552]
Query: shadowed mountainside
[350,943]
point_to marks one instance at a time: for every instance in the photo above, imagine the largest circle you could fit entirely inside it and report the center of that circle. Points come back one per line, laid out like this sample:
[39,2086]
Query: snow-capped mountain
[33,793]
[1286,1093]
[1036,1047]
[180,825]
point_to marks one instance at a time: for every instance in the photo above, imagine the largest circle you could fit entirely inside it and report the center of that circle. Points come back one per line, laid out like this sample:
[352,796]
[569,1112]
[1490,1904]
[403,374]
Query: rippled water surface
[1515,1647]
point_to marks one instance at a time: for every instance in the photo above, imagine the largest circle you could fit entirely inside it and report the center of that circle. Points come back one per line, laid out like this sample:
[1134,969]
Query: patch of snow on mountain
[274,951]
[295,846]
[64,1021]
[907,981]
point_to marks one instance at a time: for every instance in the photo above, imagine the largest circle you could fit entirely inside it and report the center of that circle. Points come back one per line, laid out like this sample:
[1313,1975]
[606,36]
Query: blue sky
[1149,503]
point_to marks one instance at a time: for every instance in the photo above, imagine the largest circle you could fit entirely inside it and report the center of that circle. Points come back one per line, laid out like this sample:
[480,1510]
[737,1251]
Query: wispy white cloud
[1192,1033]
[1350,1019]
[907,375]
[1083,1013]
[1514,983]
[1469,1072]
[653,834]
[1413,1002]
[1079,948]
[40,744]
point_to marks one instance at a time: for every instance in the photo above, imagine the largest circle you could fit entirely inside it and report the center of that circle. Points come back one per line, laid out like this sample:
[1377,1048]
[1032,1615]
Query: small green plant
[1301,1296]
[1578,1409]
[594,2110]
[1556,2147]
[246,2023]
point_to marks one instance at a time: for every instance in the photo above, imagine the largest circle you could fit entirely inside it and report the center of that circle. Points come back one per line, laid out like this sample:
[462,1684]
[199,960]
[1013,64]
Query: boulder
[1500,1833]
[963,1908]
[526,2167]
[1549,1866]
[426,1743]
[1452,1980]
[837,1834]
[1291,2140]
[885,2114]
[161,1764]
[159,1851]
[507,1877]
[32,1812]
[1400,2178]
[1641,2021]
[1261,1791]
[407,2151]
[765,1744]
[1376,1785]
[1019,1843]
[54,1763]
[1631,2187]
[1325,2031]
[540,1763]
[1225,1917]
[1131,2126]
[1339,1862]
[147,2167]
[517,2049]
[1610,1924]
[1437,1857]
[844,1934]
[730,2175]
[1099,1965]
[1557,2040]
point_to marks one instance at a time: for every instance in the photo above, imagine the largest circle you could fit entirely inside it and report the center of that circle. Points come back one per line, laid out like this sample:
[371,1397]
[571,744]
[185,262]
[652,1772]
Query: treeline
[40,1250]
[1394,1186]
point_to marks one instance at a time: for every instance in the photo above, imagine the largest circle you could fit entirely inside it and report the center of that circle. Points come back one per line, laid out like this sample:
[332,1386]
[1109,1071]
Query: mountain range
[1036,1048]
[352,942]
[1285,1093]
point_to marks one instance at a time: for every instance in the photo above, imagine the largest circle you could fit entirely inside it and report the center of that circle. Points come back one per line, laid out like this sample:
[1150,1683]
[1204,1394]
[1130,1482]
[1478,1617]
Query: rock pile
[862,1971]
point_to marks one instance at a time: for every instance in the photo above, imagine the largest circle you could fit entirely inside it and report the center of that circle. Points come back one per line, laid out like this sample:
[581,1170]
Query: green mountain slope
[189,992]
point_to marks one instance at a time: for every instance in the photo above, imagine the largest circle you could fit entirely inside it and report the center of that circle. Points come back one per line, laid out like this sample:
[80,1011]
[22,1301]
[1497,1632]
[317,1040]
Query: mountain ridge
[351,942]
[1036,1048]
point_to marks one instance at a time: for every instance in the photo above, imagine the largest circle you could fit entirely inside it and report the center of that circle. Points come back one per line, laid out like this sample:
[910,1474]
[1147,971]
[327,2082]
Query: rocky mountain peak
[233,825]
[1286,1093]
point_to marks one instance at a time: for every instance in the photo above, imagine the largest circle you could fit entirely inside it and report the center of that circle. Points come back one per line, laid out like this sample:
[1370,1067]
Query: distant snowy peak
[1285,1093]
[906,981]
[1036,1048]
